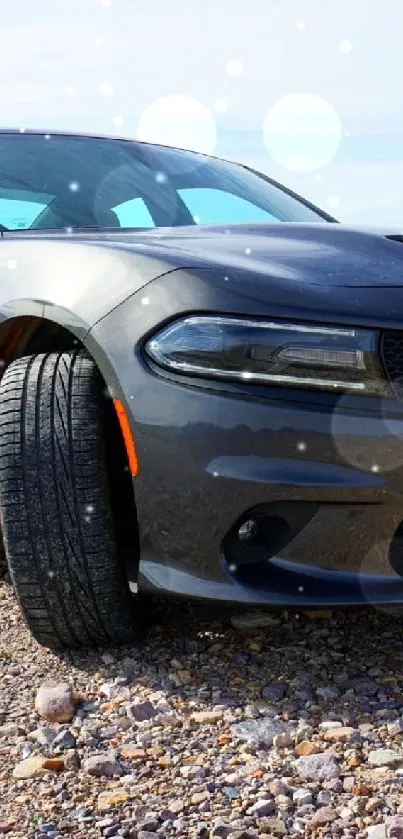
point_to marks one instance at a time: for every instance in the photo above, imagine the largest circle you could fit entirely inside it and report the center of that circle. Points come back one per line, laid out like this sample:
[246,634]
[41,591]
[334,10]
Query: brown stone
[37,765]
[337,735]
[132,752]
[110,798]
[306,747]
[207,717]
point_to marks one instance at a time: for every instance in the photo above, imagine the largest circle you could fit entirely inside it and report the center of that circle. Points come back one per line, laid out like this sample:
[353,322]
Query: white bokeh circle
[179,120]
[346,46]
[302,132]
[234,67]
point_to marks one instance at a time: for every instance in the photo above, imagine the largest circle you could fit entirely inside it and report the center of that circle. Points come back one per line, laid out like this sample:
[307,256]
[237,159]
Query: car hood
[323,254]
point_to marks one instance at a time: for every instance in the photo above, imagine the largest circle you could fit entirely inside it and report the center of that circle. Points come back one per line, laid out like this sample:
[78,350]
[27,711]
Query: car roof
[93,135]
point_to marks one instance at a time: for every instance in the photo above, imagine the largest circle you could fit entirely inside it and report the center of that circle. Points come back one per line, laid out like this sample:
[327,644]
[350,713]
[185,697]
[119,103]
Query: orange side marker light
[127,436]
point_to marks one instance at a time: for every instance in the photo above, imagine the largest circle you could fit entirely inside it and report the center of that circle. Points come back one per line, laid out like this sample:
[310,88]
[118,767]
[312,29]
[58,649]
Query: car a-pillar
[68,513]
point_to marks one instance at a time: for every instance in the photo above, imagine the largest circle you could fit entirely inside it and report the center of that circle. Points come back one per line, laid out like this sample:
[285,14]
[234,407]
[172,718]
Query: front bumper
[329,471]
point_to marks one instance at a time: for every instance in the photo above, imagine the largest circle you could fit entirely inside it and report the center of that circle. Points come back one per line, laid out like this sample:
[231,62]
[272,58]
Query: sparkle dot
[145,301]
[47,136]
[196,219]
[160,177]
[248,251]
[51,574]
[346,46]
[71,90]
[234,67]
[300,589]
[226,279]
[89,508]
[301,446]
[246,374]
[215,474]
[11,264]
[69,229]
[106,89]
[333,202]
[87,519]
[74,186]
[375,468]
[220,105]
[232,567]
[22,130]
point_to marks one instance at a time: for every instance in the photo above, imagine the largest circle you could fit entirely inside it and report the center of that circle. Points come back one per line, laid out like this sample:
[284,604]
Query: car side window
[215,206]
[19,215]
[134,213]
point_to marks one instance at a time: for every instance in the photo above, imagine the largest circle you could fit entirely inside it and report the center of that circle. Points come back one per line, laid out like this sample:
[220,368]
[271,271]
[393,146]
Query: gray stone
[258,732]
[102,765]
[385,757]
[64,740]
[302,796]
[319,767]
[141,711]
[261,808]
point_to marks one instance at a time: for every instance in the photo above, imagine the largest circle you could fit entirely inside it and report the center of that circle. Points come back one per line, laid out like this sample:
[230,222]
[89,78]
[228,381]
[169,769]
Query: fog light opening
[247,530]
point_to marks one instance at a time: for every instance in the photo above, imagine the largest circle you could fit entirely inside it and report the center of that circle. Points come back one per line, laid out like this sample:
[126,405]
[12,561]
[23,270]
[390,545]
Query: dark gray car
[201,393]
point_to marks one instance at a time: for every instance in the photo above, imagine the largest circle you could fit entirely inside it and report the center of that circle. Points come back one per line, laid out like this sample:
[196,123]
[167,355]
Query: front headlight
[269,352]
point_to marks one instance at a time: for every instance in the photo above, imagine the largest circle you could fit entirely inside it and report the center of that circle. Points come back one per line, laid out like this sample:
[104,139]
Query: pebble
[317,767]
[102,765]
[258,732]
[54,702]
[385,757]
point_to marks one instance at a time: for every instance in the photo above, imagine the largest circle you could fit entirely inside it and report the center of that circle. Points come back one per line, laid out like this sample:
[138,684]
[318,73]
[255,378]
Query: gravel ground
[212,729]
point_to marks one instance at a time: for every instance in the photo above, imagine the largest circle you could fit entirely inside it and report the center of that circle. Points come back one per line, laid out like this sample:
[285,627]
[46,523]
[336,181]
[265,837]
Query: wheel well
[29,335]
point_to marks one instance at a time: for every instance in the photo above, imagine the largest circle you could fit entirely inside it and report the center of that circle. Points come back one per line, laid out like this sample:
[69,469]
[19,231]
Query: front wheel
[56,512]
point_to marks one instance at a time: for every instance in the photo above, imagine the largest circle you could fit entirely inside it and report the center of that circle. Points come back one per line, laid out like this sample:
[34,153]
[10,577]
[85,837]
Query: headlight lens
[266,352]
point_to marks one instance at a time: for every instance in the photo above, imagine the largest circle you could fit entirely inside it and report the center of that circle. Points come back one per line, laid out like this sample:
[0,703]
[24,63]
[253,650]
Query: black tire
[55,508]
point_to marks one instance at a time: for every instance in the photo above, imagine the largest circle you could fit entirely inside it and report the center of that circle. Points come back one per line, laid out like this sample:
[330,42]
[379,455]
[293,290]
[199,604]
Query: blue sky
[309,91]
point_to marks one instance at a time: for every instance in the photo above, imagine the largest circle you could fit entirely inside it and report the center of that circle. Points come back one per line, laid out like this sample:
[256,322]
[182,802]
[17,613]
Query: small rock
[258,732]
[150,824]
[306,747]
[274,692]
[110,798]
[385,757]
[207,717]
[301,797]
[337,735]
[54,702]
[132,752]
[36,765]
[102,765]
[281,741]
[273,827]
[141,711]
[319,767]
[376,831]
[261,808]
[43,735]
[8,730]
[64,740]
[71,760]
[254,620]
[145,834]
[394,828]
[323,816]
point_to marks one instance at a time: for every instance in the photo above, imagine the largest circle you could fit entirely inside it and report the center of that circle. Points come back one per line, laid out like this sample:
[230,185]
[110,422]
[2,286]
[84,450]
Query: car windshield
[58,182]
